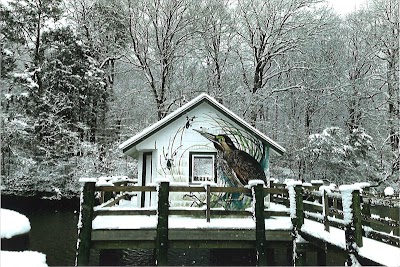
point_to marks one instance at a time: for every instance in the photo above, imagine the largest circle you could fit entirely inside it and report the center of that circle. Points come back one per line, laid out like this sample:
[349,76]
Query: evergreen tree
[71,100]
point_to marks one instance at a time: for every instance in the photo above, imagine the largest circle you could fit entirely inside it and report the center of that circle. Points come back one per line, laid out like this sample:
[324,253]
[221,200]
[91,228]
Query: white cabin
[171,149]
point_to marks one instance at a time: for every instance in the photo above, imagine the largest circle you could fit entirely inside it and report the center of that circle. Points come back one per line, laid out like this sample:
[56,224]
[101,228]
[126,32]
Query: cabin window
[202,167]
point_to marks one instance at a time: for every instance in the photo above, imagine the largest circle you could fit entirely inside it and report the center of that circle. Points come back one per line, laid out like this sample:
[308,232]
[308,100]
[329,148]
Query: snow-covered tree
[342,158]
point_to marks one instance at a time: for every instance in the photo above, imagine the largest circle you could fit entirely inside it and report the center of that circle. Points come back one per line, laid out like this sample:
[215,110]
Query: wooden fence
[164,211]
[321,206]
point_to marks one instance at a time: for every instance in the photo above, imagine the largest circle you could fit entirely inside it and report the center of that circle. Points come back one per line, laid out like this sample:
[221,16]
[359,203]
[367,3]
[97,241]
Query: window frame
[207,154]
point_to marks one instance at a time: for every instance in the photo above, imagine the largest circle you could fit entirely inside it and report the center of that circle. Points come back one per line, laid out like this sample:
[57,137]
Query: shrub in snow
[389,191]
[344,157]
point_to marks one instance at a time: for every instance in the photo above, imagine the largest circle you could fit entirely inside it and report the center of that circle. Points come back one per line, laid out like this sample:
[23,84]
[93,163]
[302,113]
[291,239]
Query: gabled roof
[147,132]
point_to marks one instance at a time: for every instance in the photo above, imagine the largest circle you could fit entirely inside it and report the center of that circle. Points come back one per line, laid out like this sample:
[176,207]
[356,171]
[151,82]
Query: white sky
[346,6]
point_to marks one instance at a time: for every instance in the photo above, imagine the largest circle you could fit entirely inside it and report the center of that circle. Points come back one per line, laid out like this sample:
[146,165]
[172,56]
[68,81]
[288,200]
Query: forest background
[78,77]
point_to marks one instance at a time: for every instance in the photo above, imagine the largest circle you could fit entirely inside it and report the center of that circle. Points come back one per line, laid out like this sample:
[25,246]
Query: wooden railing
[88,212]
[310,203]
[207,212]
[327,208]
[332,211]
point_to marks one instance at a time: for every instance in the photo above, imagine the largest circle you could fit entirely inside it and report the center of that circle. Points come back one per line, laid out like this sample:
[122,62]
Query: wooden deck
[161,228]
[140,231]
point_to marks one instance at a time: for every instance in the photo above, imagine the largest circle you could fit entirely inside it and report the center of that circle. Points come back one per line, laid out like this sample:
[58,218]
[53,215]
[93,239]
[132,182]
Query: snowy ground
[13,224]
[22,259]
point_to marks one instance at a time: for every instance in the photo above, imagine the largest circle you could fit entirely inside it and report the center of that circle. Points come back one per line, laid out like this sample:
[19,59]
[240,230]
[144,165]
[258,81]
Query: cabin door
[147,177]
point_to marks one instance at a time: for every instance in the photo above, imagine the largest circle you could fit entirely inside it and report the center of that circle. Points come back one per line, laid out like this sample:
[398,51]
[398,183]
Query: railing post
[326,210]
[85,224]
[298,221]
[258,204]
[335,204]
[357,219]
[272,185]
[366,205]
[299,206]
[321,253]
[208,202]
[162,225]
[353,222]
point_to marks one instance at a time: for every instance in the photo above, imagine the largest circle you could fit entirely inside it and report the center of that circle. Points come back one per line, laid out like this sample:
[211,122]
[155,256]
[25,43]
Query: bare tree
[158,32]
[358,66]
[216,38]
[385,27]
[271,30]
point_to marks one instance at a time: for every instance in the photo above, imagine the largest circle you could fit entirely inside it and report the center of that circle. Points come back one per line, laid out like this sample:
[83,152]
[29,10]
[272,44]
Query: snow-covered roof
[130,144]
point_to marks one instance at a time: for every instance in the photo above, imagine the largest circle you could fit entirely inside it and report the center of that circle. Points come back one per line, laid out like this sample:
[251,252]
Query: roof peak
[147,132]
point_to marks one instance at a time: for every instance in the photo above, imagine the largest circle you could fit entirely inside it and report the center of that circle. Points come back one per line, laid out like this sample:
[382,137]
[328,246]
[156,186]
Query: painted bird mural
[244,166]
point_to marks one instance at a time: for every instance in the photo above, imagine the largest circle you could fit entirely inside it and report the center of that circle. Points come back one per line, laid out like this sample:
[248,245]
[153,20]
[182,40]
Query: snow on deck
[13,223]
[22,259]
[180,222]
[376,251]
[124,222]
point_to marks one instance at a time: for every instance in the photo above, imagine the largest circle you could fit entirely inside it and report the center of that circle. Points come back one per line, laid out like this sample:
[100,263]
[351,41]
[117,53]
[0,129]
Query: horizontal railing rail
[187,189]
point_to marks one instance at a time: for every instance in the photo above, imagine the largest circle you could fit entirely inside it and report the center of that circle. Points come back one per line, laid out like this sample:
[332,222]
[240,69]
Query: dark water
[53,227]
[54,233]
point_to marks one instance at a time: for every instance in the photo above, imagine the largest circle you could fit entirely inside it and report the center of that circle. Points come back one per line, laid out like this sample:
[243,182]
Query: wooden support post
[299,206]
[272,185]
[326,210]
[353,230]
[208,201]
[85,224]
[298,257]
[258,202]
[357,219]
[366,205]
[162,225]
